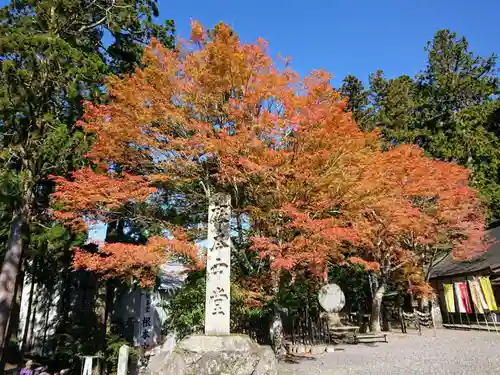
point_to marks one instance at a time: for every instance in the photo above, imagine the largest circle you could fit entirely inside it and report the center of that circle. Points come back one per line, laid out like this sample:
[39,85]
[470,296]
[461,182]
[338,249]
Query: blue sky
[357,36]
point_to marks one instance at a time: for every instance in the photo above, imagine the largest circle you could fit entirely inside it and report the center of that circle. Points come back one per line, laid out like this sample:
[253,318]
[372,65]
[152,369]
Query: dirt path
[450,353]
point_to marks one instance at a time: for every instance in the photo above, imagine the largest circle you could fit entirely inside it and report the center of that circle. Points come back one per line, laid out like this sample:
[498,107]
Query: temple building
[469,290]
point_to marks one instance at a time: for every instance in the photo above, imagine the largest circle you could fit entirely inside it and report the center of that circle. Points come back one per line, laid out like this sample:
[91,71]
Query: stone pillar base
[334,319]
[216,355]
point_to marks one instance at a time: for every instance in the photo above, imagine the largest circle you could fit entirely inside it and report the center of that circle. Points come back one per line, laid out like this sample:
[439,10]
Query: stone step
[370,337]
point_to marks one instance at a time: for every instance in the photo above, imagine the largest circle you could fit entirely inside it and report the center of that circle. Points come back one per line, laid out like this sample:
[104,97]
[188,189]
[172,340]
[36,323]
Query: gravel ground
[449,353]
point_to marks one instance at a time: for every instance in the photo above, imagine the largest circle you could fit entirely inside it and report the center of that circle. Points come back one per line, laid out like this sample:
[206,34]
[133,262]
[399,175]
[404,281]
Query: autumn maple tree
[337,197]
[195,115]
[222,116]
[426,205]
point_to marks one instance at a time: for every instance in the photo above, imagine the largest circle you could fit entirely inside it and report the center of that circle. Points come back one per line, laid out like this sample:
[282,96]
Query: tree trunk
[10,270]
[373,281]
[13,322]
[65,303]
[110,299]
[49,294]
[436,312]
[242,251]
[276,327]
[30,306]
[424,304]
[377,308]
[276,334]
[100,311]
[386,319]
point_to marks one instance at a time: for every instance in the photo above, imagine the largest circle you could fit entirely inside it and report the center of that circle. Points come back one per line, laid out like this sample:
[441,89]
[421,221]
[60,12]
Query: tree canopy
[318,188]
[103,117]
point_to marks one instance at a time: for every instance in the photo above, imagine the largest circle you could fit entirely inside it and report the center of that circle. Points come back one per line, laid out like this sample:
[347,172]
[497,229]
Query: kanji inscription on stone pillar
[217,301]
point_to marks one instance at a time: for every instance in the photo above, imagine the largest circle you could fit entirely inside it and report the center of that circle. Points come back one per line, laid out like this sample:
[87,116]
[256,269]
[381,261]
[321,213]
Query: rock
[330,349]
[267,364]
[301,349]
[169,344]
[158,355]
[215,355]
[317,349]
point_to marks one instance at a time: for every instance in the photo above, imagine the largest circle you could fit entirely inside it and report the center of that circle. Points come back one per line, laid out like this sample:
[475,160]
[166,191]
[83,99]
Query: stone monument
[332,299]
[217,352]
[217,299]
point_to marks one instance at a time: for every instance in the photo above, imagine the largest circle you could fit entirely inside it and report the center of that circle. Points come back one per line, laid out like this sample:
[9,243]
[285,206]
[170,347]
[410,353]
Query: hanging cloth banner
[460,301]
[465,295]
[476,298]
[464,305]
[449,298]
[480,294]
[488,293]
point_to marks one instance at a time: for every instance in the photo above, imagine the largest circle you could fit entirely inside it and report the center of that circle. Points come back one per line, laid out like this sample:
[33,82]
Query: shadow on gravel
[298,358]
[294,359]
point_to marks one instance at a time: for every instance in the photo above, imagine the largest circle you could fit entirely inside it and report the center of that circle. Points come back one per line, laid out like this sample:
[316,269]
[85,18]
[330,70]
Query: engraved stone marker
[217,352]
[217,300]
[332,299]
[146,323]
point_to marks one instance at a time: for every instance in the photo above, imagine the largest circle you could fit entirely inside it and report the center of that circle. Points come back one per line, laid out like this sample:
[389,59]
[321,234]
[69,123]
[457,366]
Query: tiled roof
[451,267]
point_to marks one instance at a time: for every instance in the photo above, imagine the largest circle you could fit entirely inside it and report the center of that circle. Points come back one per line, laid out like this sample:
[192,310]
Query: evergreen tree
[450,109]
[457,103]
[53,55]
[353,89]
[392,106]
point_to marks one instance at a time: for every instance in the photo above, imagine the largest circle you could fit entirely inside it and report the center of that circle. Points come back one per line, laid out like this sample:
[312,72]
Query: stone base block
[330,349]
[216,355]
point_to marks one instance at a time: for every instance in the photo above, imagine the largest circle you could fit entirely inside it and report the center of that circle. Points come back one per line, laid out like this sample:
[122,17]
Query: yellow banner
[475,293]
[480,293]
[488,293]
[449,297]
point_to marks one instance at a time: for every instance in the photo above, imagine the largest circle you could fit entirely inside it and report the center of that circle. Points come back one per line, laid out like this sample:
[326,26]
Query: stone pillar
[146,320]
[217,301]
[122,360]
[437,317]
